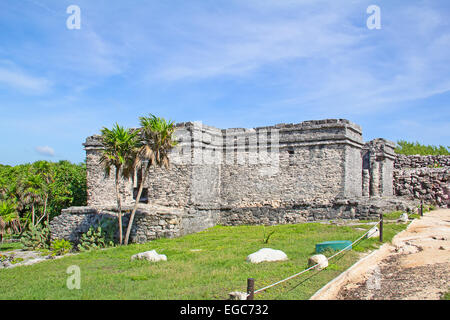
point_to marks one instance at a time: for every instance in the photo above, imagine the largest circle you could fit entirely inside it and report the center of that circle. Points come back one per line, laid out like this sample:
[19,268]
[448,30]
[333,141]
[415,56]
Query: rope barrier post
[421,208]
[381,227]
[250,288]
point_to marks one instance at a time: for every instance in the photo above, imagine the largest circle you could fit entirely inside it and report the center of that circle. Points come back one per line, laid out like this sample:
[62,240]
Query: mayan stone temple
[287,173]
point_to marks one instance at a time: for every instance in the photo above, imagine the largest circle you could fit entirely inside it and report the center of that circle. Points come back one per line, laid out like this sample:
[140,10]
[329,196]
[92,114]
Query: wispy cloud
[237,45]
[14,78]
[45,151]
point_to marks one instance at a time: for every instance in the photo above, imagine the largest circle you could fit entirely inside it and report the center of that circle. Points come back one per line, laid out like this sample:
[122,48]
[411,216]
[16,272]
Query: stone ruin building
[287,173]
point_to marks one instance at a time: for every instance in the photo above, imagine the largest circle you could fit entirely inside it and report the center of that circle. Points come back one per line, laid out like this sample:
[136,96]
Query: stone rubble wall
[150,223]
[418,161]
[423,177]
[429,184]
[355,208]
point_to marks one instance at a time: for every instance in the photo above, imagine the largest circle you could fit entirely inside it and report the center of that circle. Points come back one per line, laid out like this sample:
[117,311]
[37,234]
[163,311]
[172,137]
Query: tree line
[36,192]
[413,148]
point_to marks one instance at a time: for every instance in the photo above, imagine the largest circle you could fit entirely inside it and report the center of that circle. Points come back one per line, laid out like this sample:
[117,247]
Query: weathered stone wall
[297,177]
[356,208]
[423,177]
[418,161]
[150,222]
[352,172]
[429,184]
[310,161]
[308,164]
[101,187]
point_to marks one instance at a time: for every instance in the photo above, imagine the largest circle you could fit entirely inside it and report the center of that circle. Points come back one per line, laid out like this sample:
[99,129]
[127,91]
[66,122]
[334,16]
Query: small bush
[266,236]
[16,260]
[60,247]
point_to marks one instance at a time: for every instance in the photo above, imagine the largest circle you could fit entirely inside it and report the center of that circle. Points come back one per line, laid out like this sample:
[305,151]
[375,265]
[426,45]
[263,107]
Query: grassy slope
[211,273]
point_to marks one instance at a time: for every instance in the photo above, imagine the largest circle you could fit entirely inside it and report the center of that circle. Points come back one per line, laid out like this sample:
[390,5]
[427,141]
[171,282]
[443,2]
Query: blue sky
[230,63]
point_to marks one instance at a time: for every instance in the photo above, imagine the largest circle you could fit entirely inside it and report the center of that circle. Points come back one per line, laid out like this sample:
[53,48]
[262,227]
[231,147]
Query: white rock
[318,259]
[267,254]
[373,233]
[152,256]
[403,217]
[238,295]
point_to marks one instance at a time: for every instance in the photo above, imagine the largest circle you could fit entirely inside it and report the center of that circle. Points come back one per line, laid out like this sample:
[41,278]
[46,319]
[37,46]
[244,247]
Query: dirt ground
[415,266]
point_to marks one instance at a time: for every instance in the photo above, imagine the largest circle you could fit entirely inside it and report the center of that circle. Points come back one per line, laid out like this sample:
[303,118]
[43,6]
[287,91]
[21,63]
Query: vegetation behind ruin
[40,189]
[413,148]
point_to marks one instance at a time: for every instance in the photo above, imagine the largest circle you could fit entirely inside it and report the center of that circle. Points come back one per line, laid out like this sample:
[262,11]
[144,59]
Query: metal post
[381,227]
[421,208]
[250,288]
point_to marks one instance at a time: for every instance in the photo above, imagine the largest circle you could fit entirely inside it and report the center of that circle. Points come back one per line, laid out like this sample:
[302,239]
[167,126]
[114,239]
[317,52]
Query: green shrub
[93,239]
[60,247]
[16,260]
[99,237]
[37,237]
[109,228]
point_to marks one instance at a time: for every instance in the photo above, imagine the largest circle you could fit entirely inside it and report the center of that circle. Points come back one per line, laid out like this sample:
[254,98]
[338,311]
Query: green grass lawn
[396,215]
[205,265]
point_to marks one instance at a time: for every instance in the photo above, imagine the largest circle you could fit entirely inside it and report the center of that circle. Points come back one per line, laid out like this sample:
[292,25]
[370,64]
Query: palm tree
[119,145]
[9,219]
[156,142]
[45,171]
[29,192]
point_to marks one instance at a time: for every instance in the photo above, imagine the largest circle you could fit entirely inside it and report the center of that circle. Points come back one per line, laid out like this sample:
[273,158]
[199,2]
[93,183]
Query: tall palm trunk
[45,209]
[138,198]
[32,215]
[119,205]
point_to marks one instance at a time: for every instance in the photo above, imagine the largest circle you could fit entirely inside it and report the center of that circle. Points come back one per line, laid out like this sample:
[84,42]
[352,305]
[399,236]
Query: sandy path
[415,266]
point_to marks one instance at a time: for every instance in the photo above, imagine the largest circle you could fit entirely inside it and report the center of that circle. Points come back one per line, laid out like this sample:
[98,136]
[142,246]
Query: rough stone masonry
[423,177]
[287,173]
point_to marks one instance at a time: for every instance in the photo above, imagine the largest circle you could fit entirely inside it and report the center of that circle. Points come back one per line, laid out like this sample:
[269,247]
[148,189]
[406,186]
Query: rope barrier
[365,234]
[312,267]
[281,281]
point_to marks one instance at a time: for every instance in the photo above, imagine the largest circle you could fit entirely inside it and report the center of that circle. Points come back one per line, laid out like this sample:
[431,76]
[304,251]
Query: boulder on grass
[236,295]
[152,256]
[373,233]
[319,259]
[403,217]
[267,254]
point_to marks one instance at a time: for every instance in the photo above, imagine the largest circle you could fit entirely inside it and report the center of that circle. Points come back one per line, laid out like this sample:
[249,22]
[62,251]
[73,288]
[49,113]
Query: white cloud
[237,45]
[45,151]
[22,81]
